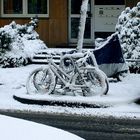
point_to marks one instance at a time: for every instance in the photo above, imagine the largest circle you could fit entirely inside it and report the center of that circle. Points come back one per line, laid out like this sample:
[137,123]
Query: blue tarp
[110,52]
[110,58]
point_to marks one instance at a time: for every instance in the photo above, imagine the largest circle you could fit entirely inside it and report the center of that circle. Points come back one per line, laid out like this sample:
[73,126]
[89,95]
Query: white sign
[106,17]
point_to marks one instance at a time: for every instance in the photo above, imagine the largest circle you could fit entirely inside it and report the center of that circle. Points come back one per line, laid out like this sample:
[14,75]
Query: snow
[17,129]
[84,8]
[120,97]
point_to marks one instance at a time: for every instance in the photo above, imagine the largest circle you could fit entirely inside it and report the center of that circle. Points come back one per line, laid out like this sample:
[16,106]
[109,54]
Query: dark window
[24,8]
[37,6]
[75,25]
[76,6]
[13,7]
[109,2]
[103,34]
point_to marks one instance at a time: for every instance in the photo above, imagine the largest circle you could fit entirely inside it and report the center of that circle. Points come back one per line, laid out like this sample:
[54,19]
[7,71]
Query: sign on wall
[106,17]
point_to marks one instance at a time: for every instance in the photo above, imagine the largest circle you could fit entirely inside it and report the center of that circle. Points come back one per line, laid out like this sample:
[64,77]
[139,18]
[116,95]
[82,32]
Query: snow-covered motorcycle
[73,74]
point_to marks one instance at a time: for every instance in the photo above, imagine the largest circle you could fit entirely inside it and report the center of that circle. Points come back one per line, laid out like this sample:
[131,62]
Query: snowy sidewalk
[120,97]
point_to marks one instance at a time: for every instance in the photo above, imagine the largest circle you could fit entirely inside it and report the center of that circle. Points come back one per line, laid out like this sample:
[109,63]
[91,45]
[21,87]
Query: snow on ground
[121,96]
[17,129]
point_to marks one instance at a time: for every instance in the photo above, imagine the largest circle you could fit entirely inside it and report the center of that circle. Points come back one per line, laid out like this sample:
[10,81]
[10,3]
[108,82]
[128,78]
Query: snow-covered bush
[18,43]
[128,29]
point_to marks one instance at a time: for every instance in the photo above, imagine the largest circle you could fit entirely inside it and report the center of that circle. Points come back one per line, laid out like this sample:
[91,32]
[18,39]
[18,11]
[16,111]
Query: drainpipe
[82,23]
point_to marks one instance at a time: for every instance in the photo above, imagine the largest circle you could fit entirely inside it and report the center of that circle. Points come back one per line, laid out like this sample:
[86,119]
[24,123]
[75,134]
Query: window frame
[25,13]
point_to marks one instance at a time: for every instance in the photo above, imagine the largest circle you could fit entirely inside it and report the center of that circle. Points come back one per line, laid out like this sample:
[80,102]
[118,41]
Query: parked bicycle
[73,74]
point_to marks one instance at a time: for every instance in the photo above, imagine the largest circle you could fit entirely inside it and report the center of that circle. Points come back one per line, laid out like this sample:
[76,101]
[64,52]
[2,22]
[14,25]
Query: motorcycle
[110,58]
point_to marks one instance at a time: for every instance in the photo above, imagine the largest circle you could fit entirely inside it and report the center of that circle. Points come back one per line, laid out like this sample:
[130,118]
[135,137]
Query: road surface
[88,127]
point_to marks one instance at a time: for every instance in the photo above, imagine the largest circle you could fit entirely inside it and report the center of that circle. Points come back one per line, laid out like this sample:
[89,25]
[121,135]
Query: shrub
[18,43]
[128,29]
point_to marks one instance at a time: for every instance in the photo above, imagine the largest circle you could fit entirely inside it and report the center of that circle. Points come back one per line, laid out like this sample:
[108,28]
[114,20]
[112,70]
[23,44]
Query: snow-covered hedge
[18,43]
[128,28]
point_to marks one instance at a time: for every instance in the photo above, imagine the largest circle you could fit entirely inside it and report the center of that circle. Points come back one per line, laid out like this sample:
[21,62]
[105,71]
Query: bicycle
[73,74]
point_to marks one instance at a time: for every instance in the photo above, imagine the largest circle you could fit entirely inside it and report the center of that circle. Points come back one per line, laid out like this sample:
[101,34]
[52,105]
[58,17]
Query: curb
[57,103]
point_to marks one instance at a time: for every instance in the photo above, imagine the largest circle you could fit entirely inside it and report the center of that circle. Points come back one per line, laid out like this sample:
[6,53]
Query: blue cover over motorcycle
[109,57]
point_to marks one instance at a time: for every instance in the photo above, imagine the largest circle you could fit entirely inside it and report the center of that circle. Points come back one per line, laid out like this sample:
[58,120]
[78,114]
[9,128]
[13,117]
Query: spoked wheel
[41,81]
[95,80]
[67,65]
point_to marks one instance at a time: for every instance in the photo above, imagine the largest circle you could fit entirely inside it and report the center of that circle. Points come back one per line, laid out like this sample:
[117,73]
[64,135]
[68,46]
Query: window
[24,8]
[75,7]
[109,2]
[37,6]
[12,7]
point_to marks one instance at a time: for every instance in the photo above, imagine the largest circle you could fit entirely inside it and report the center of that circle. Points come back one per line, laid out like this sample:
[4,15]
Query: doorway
[102,17]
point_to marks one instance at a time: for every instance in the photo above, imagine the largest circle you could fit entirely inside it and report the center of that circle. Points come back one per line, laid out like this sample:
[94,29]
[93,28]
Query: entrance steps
[43,55]
[55,53]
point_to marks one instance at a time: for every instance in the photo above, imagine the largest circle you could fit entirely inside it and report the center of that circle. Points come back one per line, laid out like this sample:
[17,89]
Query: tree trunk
[82,23]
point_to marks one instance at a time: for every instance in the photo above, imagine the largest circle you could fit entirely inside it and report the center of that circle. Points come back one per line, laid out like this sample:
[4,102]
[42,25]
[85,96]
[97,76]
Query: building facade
[59,19]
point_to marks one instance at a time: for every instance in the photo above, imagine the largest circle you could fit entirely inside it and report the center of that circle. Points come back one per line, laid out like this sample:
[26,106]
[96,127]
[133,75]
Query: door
[101,19]
[74,17]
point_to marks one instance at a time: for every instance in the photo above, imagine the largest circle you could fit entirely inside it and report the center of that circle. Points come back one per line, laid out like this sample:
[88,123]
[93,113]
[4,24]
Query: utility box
[106,17]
